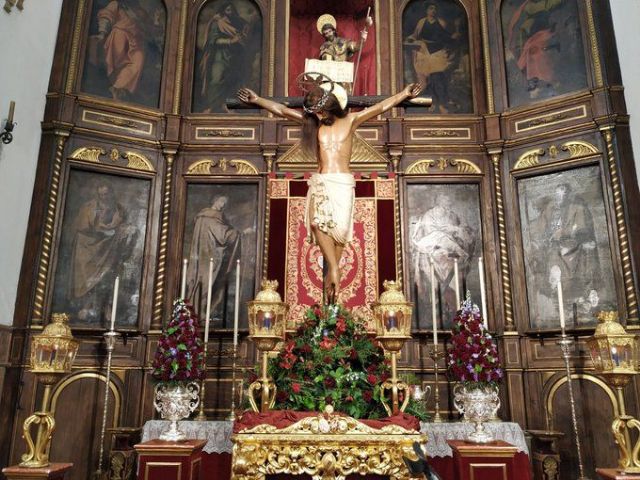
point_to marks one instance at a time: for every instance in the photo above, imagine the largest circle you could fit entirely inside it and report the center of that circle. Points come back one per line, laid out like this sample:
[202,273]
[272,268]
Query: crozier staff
[327,133]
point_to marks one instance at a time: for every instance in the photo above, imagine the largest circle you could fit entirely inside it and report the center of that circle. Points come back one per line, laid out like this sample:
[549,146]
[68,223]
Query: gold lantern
[267,324]
[52,354]
[392,315]
[615,357]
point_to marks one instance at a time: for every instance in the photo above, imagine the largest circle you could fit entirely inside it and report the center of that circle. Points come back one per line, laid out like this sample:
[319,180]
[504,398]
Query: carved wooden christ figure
[327,133]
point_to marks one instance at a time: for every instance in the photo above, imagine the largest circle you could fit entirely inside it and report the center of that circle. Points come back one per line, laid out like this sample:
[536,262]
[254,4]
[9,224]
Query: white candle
[434,320]
[183,287]
[236,313]
[457,282]
[483,293]
[114,305]
[208,314]
[561,305]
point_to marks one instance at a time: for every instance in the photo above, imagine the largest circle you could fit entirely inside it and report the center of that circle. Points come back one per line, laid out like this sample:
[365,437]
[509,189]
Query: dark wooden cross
[353,102]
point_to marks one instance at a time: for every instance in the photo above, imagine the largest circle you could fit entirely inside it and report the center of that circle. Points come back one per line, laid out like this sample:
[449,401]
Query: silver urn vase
[479,404]
[174,402]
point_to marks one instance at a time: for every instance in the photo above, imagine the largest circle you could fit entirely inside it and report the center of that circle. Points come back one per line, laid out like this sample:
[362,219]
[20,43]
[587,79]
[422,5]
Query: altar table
[218,447]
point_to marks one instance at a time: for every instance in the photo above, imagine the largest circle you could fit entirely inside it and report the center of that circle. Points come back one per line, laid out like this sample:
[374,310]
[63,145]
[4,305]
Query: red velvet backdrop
[367,261]
[305,40]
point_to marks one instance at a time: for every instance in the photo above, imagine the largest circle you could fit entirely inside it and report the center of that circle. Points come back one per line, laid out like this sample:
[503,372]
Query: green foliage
[330,360]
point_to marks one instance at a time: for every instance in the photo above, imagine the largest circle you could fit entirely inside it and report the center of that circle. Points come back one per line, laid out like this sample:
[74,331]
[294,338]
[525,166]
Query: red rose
[367,396]
[296,388]
[372,379]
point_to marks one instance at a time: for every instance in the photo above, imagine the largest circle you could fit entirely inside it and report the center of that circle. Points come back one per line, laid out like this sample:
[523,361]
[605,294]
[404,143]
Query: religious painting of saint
[221,225]
[103,235]
[228,53]
[564,236]
[436,53]
[543,49]
[125,51]
[443,224]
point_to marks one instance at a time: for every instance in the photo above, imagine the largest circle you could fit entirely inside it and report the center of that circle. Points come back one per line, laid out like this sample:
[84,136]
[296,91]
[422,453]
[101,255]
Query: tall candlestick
[434,320]
[457,282]
[236,313]
[209,288]
[483,293]
[114,305]
[561,306]
[183,287]
[12,108]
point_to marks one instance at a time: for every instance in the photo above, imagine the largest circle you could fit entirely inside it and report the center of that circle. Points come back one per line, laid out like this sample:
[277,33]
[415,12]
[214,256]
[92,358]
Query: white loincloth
[330,199]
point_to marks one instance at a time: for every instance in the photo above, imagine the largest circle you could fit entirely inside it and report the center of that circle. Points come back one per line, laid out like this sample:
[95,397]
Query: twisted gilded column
[158,298]
[504,251]
[47,235]
[486,55]
[177,93]
[621,228]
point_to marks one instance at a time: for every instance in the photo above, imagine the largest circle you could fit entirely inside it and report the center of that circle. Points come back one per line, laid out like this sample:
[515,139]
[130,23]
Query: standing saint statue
[327,134]
[334,47]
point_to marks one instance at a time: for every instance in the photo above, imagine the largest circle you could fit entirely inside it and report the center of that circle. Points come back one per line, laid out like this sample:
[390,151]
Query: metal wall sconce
[6,136]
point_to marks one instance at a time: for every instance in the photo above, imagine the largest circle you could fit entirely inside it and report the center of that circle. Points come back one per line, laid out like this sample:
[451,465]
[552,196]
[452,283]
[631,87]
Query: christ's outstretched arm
[410,91]
[249,96]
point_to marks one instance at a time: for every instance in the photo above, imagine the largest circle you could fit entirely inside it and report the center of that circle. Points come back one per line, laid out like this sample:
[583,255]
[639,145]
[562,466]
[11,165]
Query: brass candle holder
[52,354]
[267,323]
[566,345]
[392,315]
[435,354]
[110,338]
[615,358]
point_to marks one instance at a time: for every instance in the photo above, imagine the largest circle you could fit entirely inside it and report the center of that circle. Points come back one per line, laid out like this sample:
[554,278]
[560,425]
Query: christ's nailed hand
[414,89]
[247,95]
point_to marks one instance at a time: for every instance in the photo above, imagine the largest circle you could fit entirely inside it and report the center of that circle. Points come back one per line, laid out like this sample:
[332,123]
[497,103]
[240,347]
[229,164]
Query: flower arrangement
[330,359]
[473,355]
[179,356]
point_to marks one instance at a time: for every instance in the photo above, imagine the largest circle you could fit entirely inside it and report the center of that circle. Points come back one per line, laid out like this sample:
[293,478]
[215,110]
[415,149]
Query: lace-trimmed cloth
[330,202]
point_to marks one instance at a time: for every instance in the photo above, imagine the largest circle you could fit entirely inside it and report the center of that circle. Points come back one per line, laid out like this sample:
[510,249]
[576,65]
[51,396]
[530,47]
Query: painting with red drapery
[305,40]
[367,261]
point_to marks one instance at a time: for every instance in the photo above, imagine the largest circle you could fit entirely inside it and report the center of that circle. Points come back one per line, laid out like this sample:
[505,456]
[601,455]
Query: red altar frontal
[452,459]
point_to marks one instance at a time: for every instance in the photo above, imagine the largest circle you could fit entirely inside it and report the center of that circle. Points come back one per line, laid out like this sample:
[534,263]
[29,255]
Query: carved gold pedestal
[325,446]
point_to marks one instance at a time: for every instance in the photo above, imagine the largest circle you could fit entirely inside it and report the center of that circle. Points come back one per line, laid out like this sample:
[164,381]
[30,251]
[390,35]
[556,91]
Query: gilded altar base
[325,446]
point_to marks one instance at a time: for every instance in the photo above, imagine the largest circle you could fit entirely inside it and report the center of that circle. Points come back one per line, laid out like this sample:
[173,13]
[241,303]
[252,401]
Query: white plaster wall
[626,16]
[28,40]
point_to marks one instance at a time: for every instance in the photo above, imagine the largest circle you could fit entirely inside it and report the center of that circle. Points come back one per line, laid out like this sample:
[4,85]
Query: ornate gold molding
[75,47]
[323,446]
[135,161]
[575,148]
[451,133]
[551,118]
[504,250]
[88,154]
[462,166]
[621,227]
[127,124]
[486,55]
[158,299]
[583,376]
[595,52]
[528,159]
[47,236]
[363,155]
[204,166]
[117,396]
[177,94]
